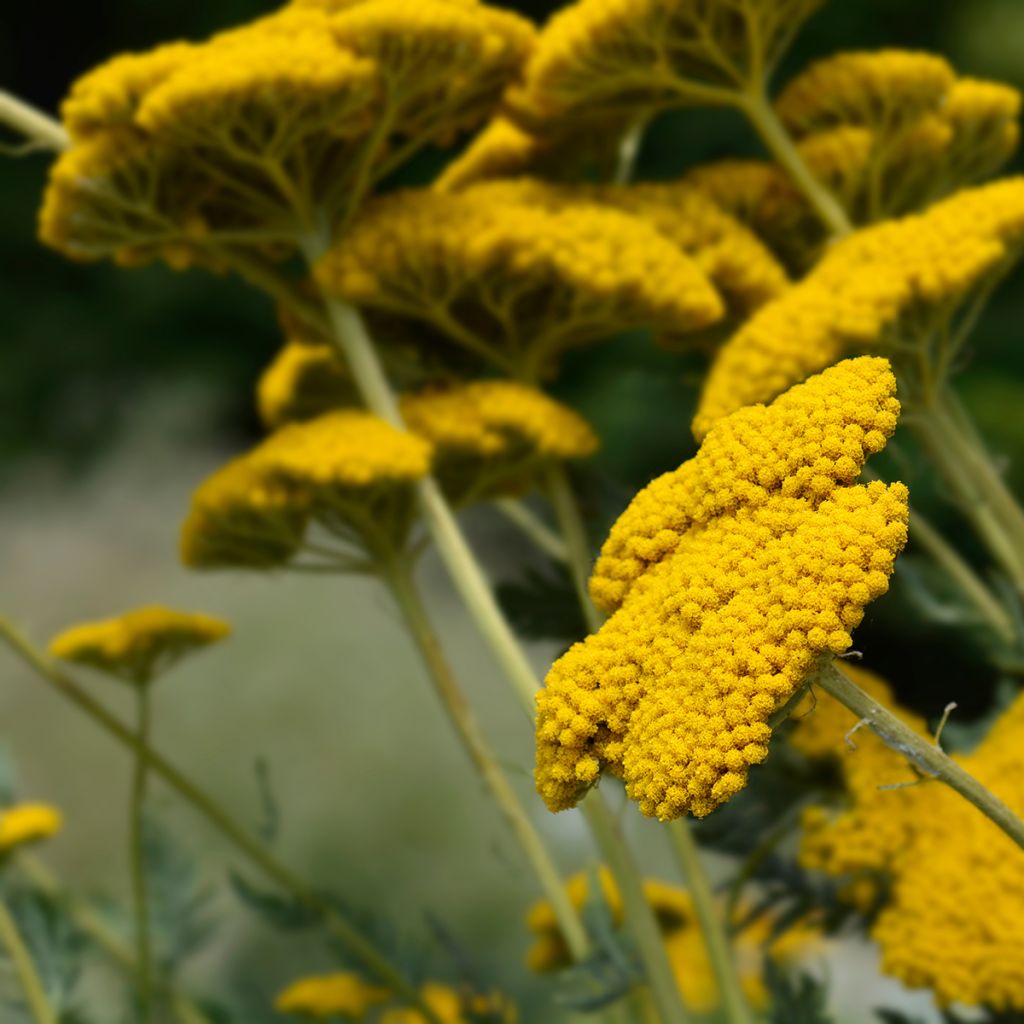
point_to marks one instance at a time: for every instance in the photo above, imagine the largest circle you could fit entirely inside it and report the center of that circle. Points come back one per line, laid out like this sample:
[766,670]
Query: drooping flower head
[341,995]
[266,132]
[140,644]
[884,287]
[727,579]
[27,823]
[515,280]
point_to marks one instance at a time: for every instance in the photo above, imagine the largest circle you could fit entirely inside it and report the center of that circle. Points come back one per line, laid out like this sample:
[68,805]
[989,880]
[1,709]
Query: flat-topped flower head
[279,127]
[25,823]
[303,381]
[601,58]
[495,436]
[883,287]
[515,281]
[728,579]
[342,995]
[140,644]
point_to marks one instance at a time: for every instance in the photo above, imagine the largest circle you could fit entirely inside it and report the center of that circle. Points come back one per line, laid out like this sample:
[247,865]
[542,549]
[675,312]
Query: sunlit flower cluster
[898,281]
[727,578]
[138,644]
[327,996]
[27,823]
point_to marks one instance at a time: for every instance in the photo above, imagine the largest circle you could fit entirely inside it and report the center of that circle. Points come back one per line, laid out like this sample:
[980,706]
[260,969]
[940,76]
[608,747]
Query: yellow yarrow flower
[514,281]
[139,644]
[303,381]
[728,579]
[896,282]
[27,823]
[454,1007]
[320,997]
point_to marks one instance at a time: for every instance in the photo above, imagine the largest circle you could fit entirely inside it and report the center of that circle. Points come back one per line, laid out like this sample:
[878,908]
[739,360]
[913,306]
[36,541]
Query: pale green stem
[535,528]
[924,755]
[629,150]
[710,918]
[470,733]
[90,923]
[40,129]
[140,895]
[361,948]
[765,121]
[25,969]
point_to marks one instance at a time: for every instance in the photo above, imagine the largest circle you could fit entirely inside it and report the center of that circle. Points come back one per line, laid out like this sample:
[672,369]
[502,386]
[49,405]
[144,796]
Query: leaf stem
[25,969]
[140,895]
[38,127]
[928,757]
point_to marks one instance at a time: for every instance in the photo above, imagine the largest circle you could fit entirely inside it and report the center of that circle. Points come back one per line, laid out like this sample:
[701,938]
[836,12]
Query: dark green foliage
[277,911]
[796,1000]
[541,604]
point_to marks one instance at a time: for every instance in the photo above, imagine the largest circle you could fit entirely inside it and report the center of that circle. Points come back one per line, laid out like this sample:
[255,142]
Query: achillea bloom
[303,381]
[454,1007]
[494,435]
[514,281]
[27,823]
[139,644]
[684,940]
[304,109]
[598,58]
[728,578]
[897,281]
[329,996]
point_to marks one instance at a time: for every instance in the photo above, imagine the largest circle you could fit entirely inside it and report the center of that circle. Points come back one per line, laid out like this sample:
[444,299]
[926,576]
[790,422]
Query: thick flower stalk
[727,579]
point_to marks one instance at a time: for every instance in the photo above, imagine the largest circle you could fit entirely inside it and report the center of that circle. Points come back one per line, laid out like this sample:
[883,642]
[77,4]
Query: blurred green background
[120,390]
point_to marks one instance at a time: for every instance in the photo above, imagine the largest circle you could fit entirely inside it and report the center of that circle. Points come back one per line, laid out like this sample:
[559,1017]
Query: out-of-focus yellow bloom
[454,1007]
[27,823]
[601,58]
[304,381]
[139,644]
[303,110]
[684,940]
[516,282]
[897,281]
[729,577]
[324,996]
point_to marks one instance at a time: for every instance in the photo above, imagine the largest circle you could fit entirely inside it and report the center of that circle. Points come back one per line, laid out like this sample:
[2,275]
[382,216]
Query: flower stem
[354,941]
[928,757]
[466,725]
[43,131]
[719,947]
[25,969]
[536,529]
[765,121]
[629,150]
[140,896]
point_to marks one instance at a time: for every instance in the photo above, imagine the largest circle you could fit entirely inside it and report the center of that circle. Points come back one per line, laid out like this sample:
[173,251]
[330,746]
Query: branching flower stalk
[42,131]
[354,941]
[25,969]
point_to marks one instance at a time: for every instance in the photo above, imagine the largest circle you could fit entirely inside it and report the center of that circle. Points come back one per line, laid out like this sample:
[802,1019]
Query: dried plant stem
[140,896]
[463,720]
[41,130]
[361,948]
[925,756]
[91,923]
[25,969]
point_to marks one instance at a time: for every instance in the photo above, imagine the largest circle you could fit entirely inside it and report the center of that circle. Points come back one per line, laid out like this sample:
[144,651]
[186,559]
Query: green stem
[358,945]
[470,733]
[926,756]
[140,896]
[629,150]
[90,923]
[765,121]
[39,128]
[719,948]
[536,529]
[25,969]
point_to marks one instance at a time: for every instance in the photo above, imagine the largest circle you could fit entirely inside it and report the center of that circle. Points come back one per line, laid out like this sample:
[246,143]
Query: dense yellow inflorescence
[601,58]
[897,281]
[515,280]
[327,996]
[684,940]
[139,643]
[238,140]
[729,579]
[303,381]
[27,823]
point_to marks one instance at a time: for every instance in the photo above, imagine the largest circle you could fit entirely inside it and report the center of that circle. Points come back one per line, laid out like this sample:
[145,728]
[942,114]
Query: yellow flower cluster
[138,644]
[454,1007]
[303,381]
[27,823]
[899,280]
[602,58]
[516,281]
[327,996]
[684,940]
[730,578]
[305,108]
